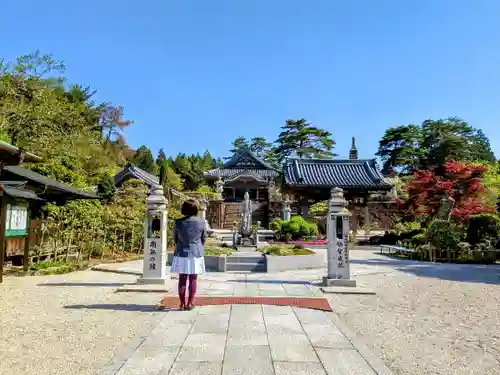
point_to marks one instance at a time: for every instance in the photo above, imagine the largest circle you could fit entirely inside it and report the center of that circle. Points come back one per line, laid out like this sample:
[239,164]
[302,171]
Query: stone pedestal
[338,241]
[155,242]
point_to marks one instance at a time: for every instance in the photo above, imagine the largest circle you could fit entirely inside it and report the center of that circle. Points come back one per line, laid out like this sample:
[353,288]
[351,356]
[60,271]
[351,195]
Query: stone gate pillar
[337,227]
[155,239]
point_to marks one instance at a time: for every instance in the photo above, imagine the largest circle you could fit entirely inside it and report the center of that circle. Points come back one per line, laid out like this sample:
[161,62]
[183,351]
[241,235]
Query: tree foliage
[304,139]
[463,182]
[412,147]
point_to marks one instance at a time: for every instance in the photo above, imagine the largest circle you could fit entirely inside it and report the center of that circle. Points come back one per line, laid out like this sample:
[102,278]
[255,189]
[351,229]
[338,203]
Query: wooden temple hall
[301,182]
[22,195]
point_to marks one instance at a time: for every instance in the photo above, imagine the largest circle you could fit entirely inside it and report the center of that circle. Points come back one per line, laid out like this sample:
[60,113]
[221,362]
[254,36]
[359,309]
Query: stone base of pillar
[338,282]
[155,281]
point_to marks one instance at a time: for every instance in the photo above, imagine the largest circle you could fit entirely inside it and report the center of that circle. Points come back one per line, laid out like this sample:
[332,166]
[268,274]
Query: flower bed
[306,242]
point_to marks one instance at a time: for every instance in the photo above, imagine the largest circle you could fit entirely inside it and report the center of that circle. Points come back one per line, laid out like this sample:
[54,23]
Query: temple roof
[131,171]
[243,163]
[345,174]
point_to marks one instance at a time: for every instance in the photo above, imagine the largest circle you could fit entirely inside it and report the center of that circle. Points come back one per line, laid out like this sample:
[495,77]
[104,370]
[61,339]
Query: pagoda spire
[353,153]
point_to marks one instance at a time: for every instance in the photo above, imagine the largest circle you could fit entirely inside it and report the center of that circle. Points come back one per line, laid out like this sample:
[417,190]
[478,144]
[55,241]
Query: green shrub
[464,247]
[418,240]
[217,250]
[408,226]
[297,227]
[443,235]
[284,250]
[276,225]
[483,227]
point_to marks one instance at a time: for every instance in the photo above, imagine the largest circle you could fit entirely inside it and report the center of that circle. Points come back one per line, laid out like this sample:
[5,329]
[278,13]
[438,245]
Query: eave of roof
[53,185]
[22,193]
[230,173]
[28,156]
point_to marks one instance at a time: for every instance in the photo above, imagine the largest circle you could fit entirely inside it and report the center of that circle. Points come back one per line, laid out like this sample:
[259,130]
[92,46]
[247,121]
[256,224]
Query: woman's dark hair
[189,208]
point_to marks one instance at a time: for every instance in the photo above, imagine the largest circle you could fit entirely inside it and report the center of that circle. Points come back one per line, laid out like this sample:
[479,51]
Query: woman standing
[189,256]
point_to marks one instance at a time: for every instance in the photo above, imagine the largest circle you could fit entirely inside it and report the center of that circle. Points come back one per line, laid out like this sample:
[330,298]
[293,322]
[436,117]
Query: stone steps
[246,262]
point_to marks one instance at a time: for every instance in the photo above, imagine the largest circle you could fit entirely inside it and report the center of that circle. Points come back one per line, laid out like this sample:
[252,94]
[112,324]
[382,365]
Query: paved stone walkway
[242,339]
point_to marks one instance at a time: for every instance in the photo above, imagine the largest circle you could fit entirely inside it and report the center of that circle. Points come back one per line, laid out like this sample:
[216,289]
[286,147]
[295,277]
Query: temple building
[302,182]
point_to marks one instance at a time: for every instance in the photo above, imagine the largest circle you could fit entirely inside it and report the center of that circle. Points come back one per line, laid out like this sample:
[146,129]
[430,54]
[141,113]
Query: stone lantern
[155,239]
[338,241]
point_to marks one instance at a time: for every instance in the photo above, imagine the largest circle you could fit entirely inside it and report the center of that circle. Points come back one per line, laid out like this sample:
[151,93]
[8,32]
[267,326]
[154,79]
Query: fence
[50,239]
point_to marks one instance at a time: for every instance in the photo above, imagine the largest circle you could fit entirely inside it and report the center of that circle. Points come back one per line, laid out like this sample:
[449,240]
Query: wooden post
[26,259]
[3,219]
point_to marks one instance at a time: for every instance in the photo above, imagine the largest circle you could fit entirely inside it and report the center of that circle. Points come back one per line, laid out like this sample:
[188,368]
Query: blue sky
[194,75]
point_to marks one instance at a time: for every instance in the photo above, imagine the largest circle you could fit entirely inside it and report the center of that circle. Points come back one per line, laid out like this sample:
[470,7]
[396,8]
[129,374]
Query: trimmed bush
[483,227]
[297,227]
[443,235]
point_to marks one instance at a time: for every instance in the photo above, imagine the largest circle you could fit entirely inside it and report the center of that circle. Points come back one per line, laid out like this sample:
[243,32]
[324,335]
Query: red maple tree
[463,182]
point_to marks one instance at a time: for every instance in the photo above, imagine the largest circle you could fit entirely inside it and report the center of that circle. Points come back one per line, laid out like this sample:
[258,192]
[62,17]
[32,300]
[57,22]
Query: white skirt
[189,266]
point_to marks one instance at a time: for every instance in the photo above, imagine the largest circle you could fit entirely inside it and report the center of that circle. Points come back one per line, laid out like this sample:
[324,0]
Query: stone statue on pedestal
[219,186]
[246,217]
[446,207]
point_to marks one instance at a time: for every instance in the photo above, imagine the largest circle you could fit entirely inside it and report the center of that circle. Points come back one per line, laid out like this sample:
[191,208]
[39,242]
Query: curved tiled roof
[241,163]
[233,172]
[334,173]
[131,171]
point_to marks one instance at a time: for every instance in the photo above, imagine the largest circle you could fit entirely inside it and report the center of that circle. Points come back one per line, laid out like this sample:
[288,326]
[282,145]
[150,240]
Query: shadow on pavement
[296,282]
[471,273]
[120,307]
[101,284]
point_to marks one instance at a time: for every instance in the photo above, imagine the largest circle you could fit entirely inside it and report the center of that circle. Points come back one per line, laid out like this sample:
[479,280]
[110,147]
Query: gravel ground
[48,330]
[426,319]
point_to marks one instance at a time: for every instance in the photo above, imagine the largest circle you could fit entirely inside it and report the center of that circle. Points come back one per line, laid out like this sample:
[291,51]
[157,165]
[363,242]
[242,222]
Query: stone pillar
[354,221]
[287,210]
[367,219]
[338,240]
[155,239]
[304,210]
[203,209]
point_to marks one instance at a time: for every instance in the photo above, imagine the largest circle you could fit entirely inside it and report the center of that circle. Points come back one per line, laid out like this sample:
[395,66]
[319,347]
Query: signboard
[153,254]
[16,221]
[338,242]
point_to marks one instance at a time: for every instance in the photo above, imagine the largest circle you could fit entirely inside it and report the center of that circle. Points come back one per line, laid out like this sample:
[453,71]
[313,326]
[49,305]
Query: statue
[246,217]
[219,186]
[271,187]
[446,207]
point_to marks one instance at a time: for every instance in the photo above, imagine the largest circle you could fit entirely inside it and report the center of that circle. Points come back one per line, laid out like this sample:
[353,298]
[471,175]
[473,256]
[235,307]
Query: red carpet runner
[170,302]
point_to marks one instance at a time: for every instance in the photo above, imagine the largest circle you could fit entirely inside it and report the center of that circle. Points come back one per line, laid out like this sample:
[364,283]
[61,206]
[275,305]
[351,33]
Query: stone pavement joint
[245,339]
[309,303]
